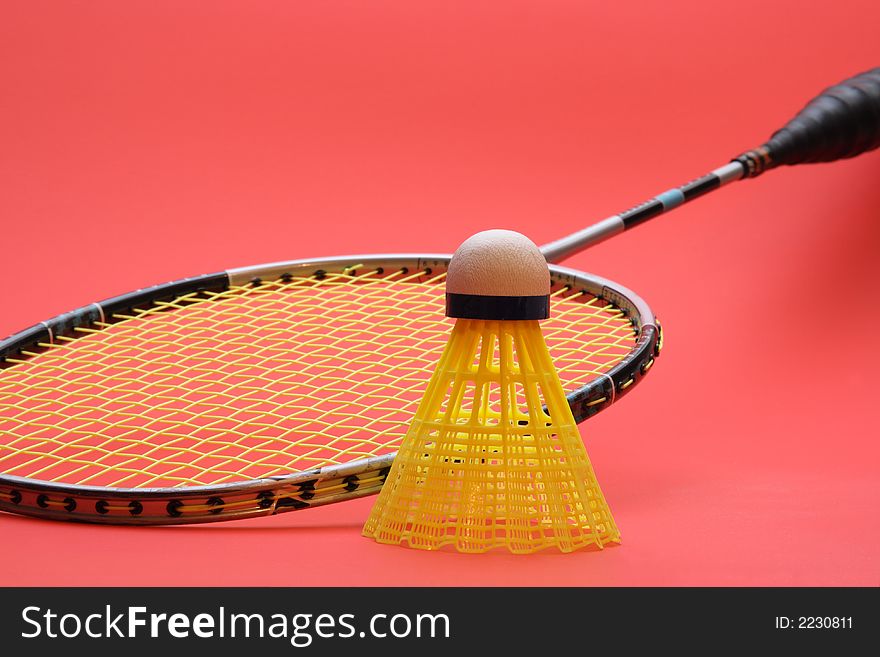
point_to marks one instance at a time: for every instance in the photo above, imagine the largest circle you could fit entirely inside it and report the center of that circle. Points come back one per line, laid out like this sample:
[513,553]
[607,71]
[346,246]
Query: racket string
[258,380]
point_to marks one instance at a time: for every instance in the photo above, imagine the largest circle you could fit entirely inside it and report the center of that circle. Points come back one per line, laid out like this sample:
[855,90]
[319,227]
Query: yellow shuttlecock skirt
[483,464]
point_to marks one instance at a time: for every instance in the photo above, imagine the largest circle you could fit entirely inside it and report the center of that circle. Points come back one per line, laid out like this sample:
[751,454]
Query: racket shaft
[668,200]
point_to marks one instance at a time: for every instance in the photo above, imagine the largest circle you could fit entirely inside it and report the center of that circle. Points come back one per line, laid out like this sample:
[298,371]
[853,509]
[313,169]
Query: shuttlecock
[493,456]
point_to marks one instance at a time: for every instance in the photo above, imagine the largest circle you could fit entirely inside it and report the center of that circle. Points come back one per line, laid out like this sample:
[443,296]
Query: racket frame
[311,488]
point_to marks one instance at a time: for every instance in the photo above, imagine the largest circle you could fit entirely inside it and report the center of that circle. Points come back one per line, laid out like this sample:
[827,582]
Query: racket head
[333,351]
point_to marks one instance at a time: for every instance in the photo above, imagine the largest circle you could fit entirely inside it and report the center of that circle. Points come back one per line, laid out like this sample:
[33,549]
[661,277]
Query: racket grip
[842,122]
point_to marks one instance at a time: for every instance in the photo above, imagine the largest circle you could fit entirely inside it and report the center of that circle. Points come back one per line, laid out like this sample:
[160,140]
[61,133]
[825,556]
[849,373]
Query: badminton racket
[287,386]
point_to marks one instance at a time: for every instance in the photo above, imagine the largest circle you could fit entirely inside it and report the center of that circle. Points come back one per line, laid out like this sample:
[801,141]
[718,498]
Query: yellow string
[254,381]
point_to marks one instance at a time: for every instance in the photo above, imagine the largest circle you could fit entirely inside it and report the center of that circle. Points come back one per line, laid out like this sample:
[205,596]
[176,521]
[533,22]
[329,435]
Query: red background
[143,142]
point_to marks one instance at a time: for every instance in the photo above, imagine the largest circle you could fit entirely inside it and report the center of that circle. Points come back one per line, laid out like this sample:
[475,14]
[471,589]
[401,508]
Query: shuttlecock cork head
[500,275]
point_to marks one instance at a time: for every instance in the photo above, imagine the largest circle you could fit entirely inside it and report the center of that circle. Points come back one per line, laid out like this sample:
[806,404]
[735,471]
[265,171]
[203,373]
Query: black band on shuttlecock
[478,306]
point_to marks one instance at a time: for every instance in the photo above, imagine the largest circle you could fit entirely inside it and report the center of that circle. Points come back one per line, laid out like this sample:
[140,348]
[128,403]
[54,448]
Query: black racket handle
[843,121]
